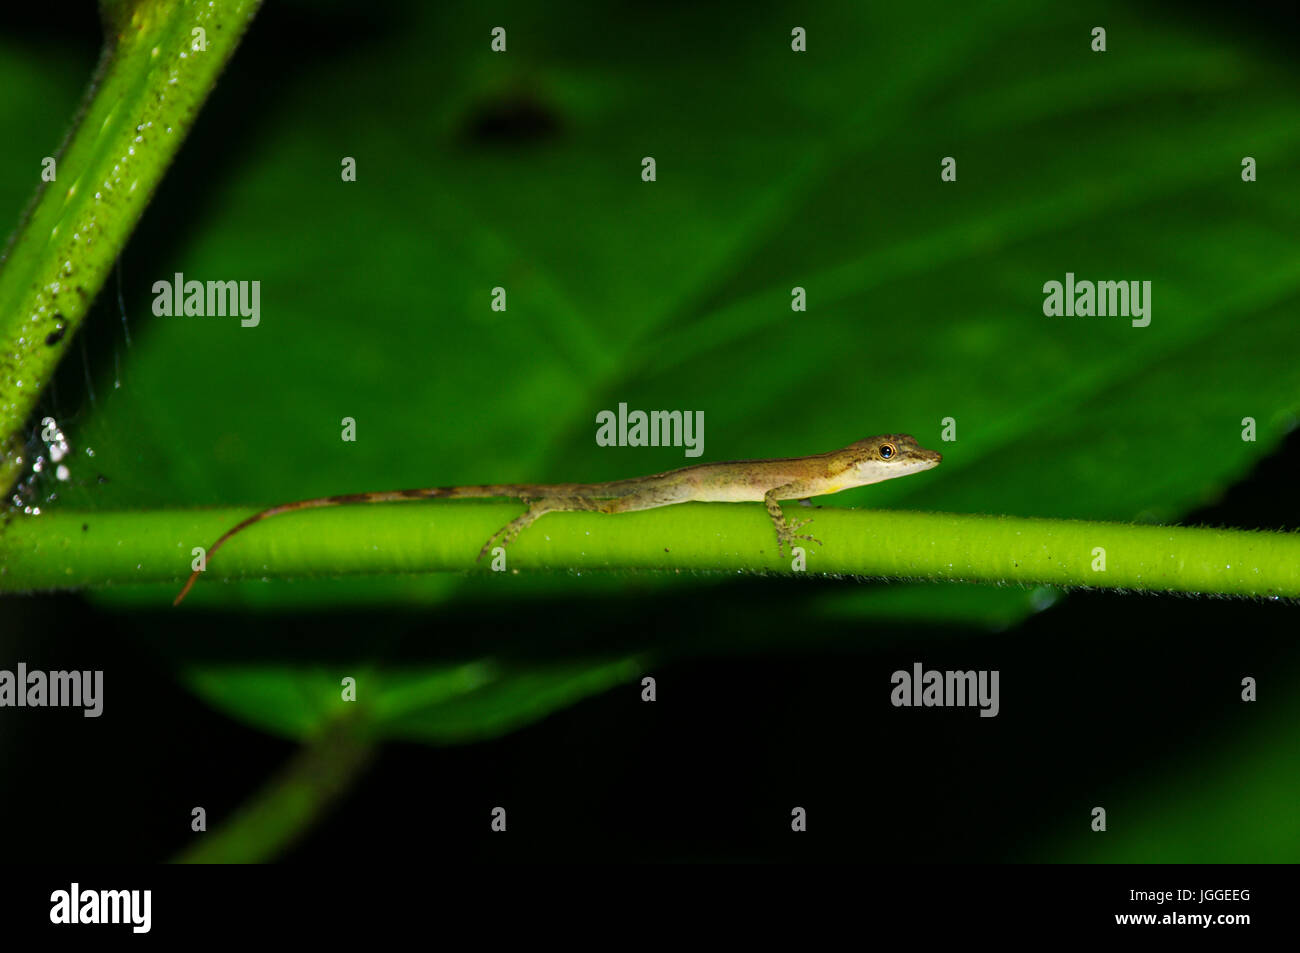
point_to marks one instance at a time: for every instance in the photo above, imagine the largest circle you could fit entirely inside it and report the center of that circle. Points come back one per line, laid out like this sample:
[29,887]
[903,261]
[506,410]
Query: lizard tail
[514,490]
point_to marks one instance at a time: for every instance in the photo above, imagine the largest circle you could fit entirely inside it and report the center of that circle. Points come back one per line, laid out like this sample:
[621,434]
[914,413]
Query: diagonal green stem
[71,550]
[146,94]
[288,805]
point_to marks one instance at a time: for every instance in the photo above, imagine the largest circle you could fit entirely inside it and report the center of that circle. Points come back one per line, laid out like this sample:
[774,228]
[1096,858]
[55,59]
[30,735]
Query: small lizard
[745,481]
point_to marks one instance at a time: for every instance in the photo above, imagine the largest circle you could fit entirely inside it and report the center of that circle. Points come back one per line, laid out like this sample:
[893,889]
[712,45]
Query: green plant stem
[145,97]
[290,803]
[72,550]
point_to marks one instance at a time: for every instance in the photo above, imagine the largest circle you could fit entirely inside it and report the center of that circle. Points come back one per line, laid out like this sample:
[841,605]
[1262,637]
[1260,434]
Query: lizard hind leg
[506,534]
[587,504]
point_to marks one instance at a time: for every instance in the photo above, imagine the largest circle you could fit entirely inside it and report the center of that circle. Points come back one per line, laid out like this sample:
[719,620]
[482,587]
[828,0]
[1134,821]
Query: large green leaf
[775,170]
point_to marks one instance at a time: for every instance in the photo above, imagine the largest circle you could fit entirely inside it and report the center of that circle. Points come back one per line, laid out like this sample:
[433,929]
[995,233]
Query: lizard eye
[887,451]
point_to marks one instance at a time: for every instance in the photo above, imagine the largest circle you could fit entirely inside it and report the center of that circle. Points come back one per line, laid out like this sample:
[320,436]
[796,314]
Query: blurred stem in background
[290,803]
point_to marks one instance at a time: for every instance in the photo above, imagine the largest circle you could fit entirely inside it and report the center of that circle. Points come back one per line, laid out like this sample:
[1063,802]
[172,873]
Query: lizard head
[890,455]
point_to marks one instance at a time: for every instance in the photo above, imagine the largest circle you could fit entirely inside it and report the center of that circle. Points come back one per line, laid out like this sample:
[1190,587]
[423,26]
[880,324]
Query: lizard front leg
[785,530]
